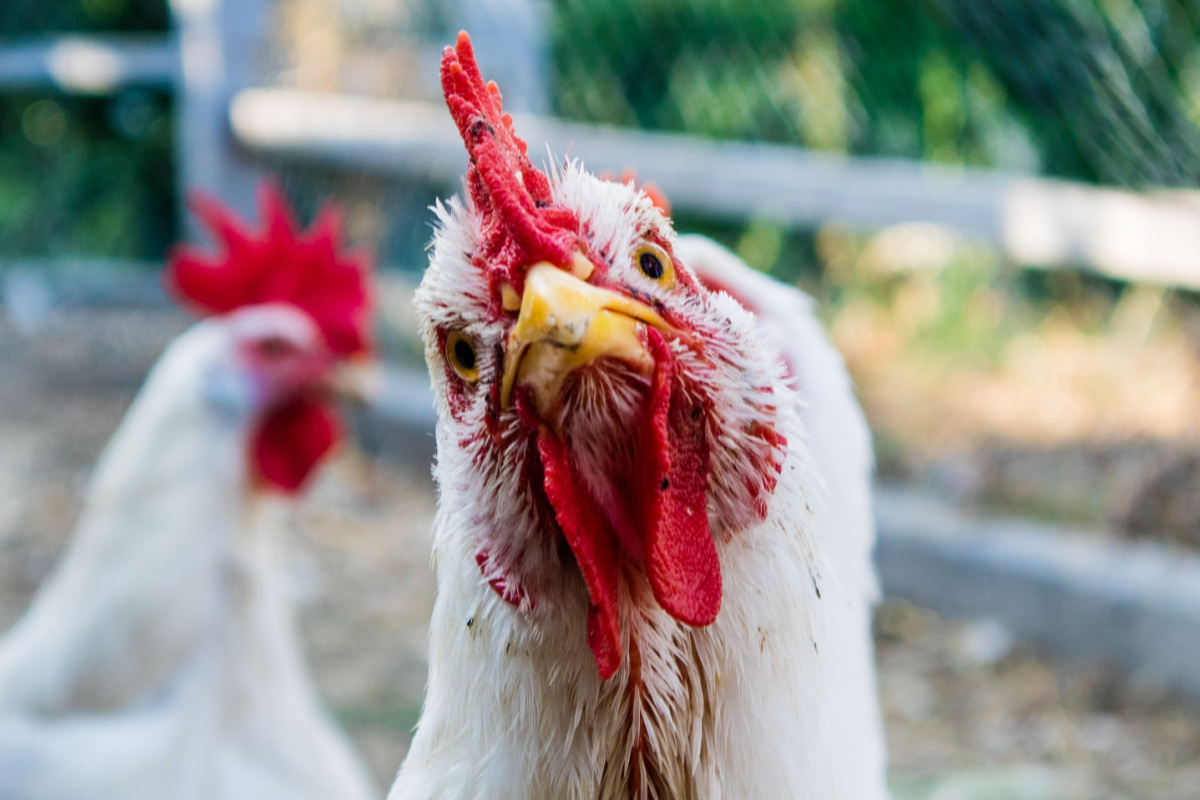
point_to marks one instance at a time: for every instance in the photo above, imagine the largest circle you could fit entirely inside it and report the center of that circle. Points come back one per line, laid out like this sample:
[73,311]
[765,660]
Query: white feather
[751,706]
[159,660]
[840,442]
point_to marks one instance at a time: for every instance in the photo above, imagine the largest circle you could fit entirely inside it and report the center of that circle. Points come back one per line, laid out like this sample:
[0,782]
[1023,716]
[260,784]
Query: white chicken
[645,589]
[839,440]
[159,661]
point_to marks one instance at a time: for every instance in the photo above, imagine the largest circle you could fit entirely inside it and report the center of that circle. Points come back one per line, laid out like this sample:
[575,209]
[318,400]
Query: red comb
[520,225]
[276,265]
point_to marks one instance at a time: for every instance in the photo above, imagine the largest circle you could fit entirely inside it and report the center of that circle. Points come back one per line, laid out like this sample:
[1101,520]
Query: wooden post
[512,45]
[221,47]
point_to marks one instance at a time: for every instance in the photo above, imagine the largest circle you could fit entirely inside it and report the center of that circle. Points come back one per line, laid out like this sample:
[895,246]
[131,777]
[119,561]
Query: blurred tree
[1100,90]
[86,176]
[23,17]
[709,66]
[1097,85]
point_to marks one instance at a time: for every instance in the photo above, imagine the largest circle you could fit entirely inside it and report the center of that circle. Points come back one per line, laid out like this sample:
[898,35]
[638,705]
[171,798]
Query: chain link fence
[1098,90]
[1106,91]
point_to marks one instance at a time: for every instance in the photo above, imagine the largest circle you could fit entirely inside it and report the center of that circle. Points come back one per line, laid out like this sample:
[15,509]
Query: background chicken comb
[629,176]
[521,226]
[276,265]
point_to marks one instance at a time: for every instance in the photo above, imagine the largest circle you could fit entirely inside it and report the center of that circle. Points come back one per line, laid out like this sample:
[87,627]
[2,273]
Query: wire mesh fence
[1101,91]
[1106,91]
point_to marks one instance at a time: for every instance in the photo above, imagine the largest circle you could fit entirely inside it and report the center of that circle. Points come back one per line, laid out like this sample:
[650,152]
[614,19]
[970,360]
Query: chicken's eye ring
[655,264]
[462,355]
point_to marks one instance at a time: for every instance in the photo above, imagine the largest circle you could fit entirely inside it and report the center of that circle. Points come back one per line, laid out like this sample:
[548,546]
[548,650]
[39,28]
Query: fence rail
[1146,238]
[89,64]
[1150,238]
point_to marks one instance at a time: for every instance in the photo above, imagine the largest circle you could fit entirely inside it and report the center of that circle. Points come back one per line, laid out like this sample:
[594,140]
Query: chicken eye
[655,264]
[460,351]
[275,347]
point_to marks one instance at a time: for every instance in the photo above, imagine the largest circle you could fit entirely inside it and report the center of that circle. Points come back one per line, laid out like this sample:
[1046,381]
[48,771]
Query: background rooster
[640,580]
[160,661]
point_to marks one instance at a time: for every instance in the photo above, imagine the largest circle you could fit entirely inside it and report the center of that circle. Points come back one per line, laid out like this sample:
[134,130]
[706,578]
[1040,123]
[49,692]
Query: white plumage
[159,661]
[840,442]
[776,698]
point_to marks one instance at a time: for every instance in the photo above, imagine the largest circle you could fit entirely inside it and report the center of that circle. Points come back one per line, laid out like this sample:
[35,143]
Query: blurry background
[990,198]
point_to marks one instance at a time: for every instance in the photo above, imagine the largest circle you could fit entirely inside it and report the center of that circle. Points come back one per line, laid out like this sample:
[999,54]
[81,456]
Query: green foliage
[843,75]
[24,17]
[974,318]
[1101,90]
[1099,84]
[86,176]
[708,66]
[82,175]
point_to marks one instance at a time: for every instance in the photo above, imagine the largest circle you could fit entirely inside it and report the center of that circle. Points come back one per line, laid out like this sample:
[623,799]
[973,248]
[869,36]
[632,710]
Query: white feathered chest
[639,587]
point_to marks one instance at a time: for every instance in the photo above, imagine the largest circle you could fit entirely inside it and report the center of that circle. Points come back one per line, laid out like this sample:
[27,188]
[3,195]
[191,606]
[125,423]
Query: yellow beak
[565,323]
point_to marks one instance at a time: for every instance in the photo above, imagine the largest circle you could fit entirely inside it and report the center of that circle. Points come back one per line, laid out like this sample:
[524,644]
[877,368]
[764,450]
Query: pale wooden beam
[1152,238]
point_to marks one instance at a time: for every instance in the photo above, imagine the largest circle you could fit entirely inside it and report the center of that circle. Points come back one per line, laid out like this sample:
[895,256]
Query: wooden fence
[1079,598]
[227,122]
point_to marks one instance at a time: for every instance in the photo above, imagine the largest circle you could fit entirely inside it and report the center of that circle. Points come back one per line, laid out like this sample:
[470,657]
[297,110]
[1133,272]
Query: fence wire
[1106,91]
[1097,90]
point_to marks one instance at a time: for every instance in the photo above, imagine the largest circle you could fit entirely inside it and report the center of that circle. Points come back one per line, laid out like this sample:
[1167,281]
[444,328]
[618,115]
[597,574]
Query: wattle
[668,505]
[291,440]
[681,557]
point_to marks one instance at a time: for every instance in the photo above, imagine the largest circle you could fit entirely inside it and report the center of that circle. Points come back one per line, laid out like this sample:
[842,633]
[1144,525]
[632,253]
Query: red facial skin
[307,273]
[292,370]
[660,527]
[663,489]
[286,368]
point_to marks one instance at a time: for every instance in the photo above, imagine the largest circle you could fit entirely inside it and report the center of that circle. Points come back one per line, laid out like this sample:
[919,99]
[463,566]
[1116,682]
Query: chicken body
[645,587]
[159,660]
[839,440]
[776,698]
[516,711]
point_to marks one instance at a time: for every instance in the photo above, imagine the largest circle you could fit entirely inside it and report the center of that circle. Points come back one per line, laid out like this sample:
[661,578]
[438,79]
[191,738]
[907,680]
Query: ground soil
[970,714]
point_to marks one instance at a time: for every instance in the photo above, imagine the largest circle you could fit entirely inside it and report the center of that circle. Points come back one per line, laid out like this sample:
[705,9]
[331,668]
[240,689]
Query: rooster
[160,661]
[643,582]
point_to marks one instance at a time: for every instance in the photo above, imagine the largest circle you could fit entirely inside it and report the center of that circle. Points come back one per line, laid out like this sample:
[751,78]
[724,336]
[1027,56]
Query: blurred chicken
[160,660]
[645,587]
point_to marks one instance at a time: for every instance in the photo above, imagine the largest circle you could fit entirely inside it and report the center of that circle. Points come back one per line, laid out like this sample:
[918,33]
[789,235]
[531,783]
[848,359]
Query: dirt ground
[971,716]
